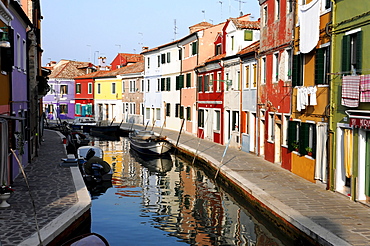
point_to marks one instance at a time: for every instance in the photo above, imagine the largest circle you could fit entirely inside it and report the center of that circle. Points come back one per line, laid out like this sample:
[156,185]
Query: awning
[359,118]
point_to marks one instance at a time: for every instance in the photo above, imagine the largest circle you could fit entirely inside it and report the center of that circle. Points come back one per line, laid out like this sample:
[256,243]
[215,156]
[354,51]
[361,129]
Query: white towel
[309,26]
[312,91]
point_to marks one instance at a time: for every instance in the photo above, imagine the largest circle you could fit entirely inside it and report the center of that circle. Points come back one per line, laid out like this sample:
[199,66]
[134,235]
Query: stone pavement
[330,218]
[59,195]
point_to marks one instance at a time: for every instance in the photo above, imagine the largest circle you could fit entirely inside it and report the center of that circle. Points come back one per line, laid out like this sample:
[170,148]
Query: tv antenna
[175,29]
[220,2]
[240,6]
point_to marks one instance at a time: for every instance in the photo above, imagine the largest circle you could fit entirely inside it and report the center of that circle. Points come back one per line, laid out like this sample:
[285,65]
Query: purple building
[60,101]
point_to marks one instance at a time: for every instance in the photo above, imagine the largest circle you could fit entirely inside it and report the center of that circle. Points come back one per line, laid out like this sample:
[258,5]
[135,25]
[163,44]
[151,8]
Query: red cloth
[365,88]
[350,91]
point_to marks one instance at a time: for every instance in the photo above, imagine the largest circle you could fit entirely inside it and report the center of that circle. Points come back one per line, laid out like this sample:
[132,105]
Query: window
[290,6]
[327,4]
[163,58]
[168,109]
[132,85]
[148,85]
[89,109]
[288,64]
[78,88]
[99,91]
[285,130]
[64,89]
[263,72]
[24,56]
[219,82]
[142,86]
[201,118]
[218,49]
[275,72]
[78,109]
[63,108]
[18,51]
[158,61]
[247,75]
[199,81]
[179,82]
[188,113]
[271,127]
[264,16]
[238,80]
[217,120]
[297,75]
[248,35]
[228,83]
[148,62]
[211,82]
[163,84]
[181,112]
[168,57]
[177,110]
[158,113]
[254,75]
[322,65]
[168,84]
[232,43]
[188,80]
[89,88]
[235,121]
[293,135]
[113,88]
[206,82]
[158,85]
[194,48]
[307,138]
[277,9]
[180,54]
[147,113]
[351,52]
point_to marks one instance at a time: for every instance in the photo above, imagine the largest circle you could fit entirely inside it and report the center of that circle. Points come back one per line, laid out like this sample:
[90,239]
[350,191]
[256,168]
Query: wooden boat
[148,142]
[96,176]
[87,239]
[83,123]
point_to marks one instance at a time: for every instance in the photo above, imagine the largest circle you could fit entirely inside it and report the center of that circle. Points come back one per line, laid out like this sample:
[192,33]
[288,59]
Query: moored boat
[148,142]
[87,239]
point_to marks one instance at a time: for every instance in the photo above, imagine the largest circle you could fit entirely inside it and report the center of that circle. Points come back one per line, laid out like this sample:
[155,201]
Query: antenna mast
[175,29]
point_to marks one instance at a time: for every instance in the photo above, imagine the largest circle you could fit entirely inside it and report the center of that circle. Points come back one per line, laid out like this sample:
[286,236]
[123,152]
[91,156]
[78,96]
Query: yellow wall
[106,89]
[303,166]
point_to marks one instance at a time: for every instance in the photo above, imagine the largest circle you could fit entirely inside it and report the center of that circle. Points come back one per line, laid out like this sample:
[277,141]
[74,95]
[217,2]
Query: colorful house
[84,94]
[274,87]
[132,77]
[60,101]
[350,101]
[308,125]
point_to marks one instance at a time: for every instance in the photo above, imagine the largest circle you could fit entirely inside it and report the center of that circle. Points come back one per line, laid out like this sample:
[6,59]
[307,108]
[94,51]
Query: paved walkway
[329,217]
[59,194]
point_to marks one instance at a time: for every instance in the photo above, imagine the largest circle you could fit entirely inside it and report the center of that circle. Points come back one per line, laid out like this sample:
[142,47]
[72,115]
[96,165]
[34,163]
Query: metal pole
[223,155]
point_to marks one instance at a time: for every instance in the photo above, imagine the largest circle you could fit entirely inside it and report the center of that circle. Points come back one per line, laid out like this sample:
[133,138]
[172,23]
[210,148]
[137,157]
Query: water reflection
[168,202]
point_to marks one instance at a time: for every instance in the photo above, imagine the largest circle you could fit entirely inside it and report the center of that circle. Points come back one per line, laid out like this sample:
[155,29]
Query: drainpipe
[331,131]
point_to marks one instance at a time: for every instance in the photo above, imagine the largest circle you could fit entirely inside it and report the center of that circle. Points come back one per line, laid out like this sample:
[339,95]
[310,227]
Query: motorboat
[149,142]
[96,174]
[83,123]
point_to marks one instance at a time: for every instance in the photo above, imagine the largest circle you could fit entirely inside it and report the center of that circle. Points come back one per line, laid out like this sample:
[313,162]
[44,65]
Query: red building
[84,94]
[124,59]
[274,90]
[210,93]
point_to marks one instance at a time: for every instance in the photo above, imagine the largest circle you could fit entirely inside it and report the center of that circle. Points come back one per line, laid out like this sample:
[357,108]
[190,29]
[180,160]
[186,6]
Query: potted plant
[5,191]
[295,145]
[309,151]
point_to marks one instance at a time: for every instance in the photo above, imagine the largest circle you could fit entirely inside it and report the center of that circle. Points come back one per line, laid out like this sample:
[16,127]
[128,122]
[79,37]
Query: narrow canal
[169,202]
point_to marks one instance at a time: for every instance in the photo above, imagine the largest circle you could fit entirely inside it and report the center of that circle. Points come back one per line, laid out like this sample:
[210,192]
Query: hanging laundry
[312,91]
[350,91]
[302,98]
[309,33]
[365,88]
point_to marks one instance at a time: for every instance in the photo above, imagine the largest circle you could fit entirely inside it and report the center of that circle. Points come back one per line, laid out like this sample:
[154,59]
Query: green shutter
[346,54]
[319,67]
[168,84]
[163,84]
[200,86]
[359,52]
[177,83]
[188,80]
[292,134]
[181,82]
[295,73]
[194,48]
[314,141]
[248,35]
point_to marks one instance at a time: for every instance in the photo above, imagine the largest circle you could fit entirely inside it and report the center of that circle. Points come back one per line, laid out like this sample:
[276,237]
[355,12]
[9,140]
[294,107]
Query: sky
[83,30]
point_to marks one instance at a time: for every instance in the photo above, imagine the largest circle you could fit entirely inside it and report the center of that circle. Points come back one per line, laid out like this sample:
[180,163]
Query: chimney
[145,49]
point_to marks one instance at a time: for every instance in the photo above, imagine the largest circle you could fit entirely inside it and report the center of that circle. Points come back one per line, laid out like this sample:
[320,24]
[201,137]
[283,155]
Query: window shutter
[292,134]
[178,82]
[168,57]
[162,84]
[359,52]
[319,64]
[295,73]
[314,142]
[7,57]
[168,84]
[188,80]
[346,54]
[200,87]
[181,82]
[248,35]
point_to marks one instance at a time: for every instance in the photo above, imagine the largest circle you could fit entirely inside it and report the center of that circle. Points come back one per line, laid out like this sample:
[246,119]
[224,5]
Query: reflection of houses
[307,129]
[350,102]
[132,78]
[60,101]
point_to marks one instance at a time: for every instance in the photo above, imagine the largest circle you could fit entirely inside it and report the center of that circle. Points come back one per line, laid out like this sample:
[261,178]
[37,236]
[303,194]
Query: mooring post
[222,159]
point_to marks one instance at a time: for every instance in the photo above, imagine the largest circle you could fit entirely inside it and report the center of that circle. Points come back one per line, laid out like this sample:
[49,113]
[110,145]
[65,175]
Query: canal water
[169,202]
